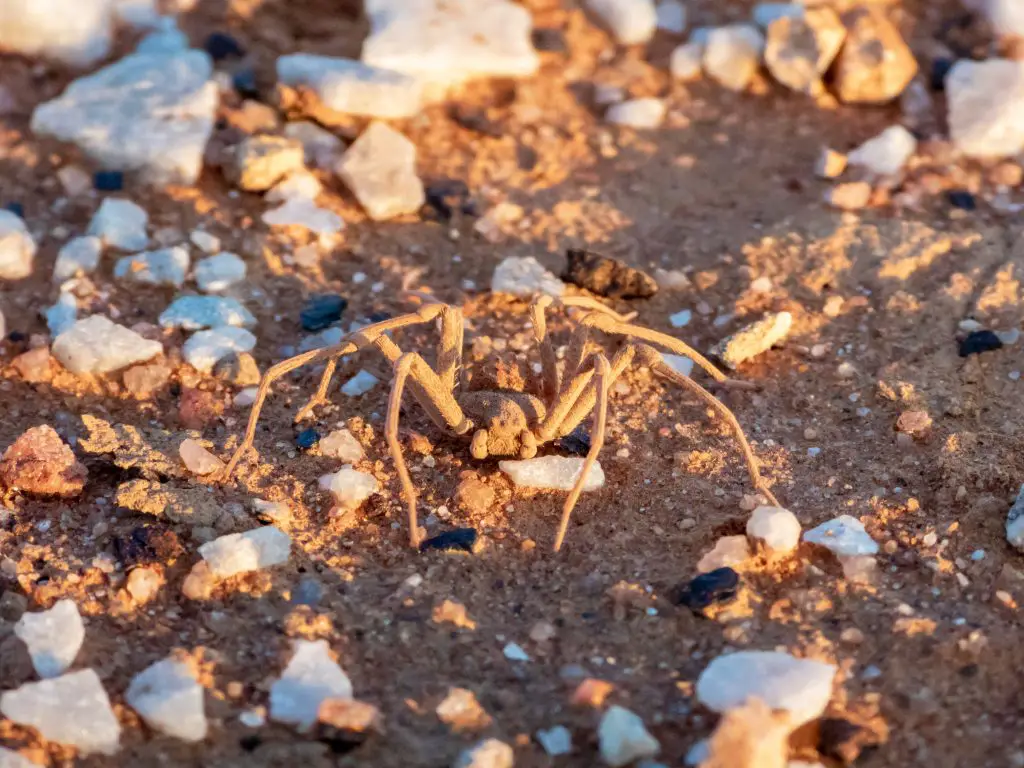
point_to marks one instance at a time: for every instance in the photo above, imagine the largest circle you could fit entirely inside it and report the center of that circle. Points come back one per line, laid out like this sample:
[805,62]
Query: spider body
[503,422]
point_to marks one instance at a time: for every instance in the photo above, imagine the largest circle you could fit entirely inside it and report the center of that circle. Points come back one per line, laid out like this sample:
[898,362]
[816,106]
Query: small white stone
[986,107]
[17,248]
[205,349]
[78,256]
[630,22]
[514,652]
[220,272]
[170,699]
[732,55]
[97,345]
[244,552]
[637,113]
[777,528]
[380,170]
[342,444]
[1006,17]
[349,486]
[556,741]
[246,397]
[192,313]
[205,242]
[687,61]
[62,316]
[489,753]
[728,552]
[352,87]
[887,153]
[301,185]
[11,759]
[623,738]
[53,637]
[72,709]
[799,686]
[671,16]
[552,472]
[310,677]
[168,266]
[120,224]
[76,32]
[678,363]
[754,339]
[74,180]
[681,319]
[525,276]
[844,536]
[304,213]
[197,459]
[1015,522]
[359,384]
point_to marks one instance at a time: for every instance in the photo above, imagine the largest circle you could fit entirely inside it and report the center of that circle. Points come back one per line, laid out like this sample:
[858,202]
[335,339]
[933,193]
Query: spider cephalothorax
[503,420]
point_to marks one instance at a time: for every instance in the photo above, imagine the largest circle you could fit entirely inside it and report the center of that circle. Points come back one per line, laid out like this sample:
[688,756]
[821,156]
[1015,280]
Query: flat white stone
[304,213]
[1006,17]
[63,314]
[352,87]
[844,536]
[146,113]
[77,32]
[687,61]
[11,759]
[301,185]
[205,349]
[732,55]
[777,528]
[192,313]
[630,22]
[380,170]
[170,699]
[552,472]
[17,248]
[310,677]
[525,276]
[671,16]
[489,753]
[986,107]
[1015,522]
[72,710]
[446,44]
[53,637]
[342,444]
[120,224]
[167,266]
[753,339]
[799,686]
[244,552]
[197,459]
[220,272]
[349,486]
[886,153]
[622,738]
[359,384]
[556,741]
[78,256]
[637,113]
[98,345]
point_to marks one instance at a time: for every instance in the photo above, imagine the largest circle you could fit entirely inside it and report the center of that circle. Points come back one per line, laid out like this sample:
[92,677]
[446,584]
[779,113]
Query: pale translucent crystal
[553,472]
[349,486]
[197,459]
[120,224]
[17,248]
[192,313]
[844,536]
[525,276]
[53,637]
[170,699]
[352,87]
[220,272]
[342,444]
[243,552]
[310,677]
[167,266]
[359,384]
[205,349]
[777,528]
[98,345]
[623,738]
[380,169]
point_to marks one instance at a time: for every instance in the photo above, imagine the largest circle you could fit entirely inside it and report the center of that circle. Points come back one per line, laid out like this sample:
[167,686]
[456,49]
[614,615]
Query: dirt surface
[724,191]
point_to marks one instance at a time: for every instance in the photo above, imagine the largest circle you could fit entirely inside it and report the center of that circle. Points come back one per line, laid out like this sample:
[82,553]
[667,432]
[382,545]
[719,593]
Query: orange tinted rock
[40,463]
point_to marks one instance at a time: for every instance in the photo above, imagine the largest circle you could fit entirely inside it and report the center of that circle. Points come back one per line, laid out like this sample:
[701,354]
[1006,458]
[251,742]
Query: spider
[502,422]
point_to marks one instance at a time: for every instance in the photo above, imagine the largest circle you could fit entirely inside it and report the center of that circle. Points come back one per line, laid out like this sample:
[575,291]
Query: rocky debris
[17,248]
[452,612]
[914,423]
[455,540]
[875,64]
[75,33]
[259,162]
[446,44]
[220,272]
[524,276]
[253,550]
[749,736]
[301,185]
[380,170]
[150,453]
[830,165]
[73,709]
[732,55]
[671,16]
[637,113]
[606,276]
[170,699]
[78,256]
[143,584]
[623,738]
[801,687]
[53,637]
[474,496]
[556,741]
[98,345]
[39,463]
[167,266]
[1006,17]
[552,472]
[707,589]
[800,49]
[322,311]
[303,213]
[687,61]
[342,444]
[886,153]
[1015,522]
[205,349]
[352,718]
[359,384]
[349,486]
[238,369]
[630,22]
[753,339]
[489,753]
[197,459]
[321,147]
[352,87]
[844,537]
[592,692]
[63,314]
[146,113]
[462,712]
[728,552]
[120,224]
[849,196]
[192,313]
[187,505]
[33,366]
[775,528]
[310,678]
[986,107]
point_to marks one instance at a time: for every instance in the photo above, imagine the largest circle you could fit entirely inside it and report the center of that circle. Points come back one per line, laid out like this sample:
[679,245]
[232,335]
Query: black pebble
[322,311]
[221,45]
[17,337]
[16,208]
[458,539]
[475,120]
[717,586]
[444,195]
[379,317]
[307,438]
[108,181]
[940,68]
[977,342]
[576,442]
[960,198]
[244,82]
[549,39]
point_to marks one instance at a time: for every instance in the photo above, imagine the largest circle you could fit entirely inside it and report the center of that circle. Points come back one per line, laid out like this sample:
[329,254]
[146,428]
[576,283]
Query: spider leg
[548,358]
[603,375]
[403,366]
